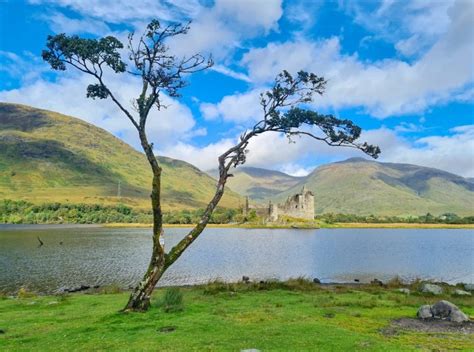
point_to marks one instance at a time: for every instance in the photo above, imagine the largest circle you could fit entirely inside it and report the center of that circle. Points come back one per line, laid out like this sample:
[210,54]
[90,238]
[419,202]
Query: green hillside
[259,184]
[364,187]
[50,157]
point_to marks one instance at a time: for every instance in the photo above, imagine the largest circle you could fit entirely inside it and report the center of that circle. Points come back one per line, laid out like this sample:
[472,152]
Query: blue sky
[403,70]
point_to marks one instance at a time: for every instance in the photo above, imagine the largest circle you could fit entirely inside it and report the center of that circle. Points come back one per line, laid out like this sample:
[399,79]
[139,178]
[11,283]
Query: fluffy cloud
[453,152]
[60,23]
[67,95]
[221,29]
[382,88]
[119,11]
[237,108]
[413,25]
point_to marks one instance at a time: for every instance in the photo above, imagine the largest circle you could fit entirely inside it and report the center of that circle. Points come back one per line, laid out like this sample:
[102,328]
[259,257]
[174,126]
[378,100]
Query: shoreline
[306,226]
[295,226]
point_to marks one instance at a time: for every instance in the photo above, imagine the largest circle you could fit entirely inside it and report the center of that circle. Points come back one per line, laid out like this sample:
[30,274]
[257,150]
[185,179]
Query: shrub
[172,300]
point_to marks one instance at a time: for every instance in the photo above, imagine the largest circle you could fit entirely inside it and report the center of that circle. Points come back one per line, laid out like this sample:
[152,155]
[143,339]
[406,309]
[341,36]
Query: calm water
[101,256]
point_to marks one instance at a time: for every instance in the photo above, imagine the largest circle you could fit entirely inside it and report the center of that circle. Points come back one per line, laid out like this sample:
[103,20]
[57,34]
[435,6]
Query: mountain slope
[46,156]
[364,187]
[259,184]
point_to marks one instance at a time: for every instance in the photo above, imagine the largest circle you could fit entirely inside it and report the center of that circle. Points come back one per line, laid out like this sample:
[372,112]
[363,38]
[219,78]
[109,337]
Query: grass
[49,157]
[291,316]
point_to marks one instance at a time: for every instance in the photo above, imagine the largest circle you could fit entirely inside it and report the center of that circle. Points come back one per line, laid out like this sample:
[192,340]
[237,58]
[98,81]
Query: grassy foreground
[292,316]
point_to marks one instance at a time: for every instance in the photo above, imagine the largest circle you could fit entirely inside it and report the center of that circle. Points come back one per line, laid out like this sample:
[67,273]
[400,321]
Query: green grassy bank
[292,316]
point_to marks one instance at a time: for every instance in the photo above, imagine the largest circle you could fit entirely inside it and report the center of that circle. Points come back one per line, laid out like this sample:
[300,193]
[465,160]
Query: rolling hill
[50,157]
[364,187]
[259,184]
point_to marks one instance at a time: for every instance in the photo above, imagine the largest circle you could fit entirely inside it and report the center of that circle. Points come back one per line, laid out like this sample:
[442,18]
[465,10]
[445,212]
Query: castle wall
[300,206]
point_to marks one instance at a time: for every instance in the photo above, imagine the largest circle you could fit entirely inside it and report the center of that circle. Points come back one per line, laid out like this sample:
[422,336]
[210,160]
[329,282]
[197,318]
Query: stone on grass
[431,288]
[424,312]
[442,310]
[469,287]
[458,316]
[404,290]
[459,292]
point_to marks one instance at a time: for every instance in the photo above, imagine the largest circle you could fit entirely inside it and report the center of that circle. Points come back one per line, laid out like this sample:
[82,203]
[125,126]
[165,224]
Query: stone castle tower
[300,205]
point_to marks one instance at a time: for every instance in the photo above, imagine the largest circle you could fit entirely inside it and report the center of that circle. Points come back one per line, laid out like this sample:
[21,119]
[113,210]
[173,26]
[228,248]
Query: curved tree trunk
[140,298]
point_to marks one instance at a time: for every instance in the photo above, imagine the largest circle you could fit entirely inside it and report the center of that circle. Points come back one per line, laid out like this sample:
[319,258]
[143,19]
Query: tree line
[23,212]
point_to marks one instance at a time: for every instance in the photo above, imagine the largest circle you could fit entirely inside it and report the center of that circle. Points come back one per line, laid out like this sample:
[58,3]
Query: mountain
[259,184]
[50,157]
[364,187]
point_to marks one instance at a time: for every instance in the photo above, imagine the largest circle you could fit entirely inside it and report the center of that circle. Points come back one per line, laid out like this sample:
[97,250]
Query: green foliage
[172,300]
[22,212]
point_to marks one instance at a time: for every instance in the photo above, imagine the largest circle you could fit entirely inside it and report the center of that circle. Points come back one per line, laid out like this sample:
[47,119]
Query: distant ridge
[257,183]
[50,157]
[363,186]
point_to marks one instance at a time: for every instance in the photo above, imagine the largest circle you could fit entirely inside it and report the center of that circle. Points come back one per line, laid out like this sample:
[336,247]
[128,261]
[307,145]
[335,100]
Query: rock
[250,350]
[404,290]
[316,281]
[245,279]
[458,292]
[442,309]
[449,311]
[469,287]
[424,312]
[376,282]
[431,288]
[52,303]
[458,316]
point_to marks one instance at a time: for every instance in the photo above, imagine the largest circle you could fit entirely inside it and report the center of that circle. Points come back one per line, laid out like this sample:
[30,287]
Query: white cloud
[453,152]
[205,158]
[221,29]
[237,108]
[406,23]
[68,96]
[119,11]
[383,88]
[231,73]
[296,170]
[60,23]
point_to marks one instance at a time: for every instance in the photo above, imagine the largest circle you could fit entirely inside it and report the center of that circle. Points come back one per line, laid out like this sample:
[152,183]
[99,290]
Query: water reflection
[101,256]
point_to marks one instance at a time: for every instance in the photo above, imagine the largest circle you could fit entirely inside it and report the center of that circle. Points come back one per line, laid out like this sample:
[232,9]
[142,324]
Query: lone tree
[161,72]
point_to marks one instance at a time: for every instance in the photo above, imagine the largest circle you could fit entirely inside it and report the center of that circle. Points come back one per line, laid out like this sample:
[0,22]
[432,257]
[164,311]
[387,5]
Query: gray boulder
[459,292]
[458,316]
[404,290]
[442,309]
[424,312]
[469,287]
[431,288]
[449,311]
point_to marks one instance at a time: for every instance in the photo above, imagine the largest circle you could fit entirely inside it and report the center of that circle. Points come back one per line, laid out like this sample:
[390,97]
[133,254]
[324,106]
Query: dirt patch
[428,325]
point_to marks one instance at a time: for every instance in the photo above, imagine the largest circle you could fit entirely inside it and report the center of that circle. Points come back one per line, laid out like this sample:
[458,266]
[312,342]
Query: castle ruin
[300,205]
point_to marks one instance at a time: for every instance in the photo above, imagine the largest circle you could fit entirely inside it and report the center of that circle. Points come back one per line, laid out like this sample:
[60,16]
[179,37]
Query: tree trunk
[140,298]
